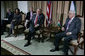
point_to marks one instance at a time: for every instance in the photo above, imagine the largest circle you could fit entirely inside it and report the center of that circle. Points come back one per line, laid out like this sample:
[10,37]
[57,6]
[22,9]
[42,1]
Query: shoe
[26,37]
[15,35]
[1,33]
[27,44]
[65,53]
[7,35]
[53,50]
[33,38]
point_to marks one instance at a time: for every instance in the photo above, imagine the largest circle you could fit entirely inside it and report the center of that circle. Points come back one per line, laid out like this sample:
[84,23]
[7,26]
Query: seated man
[17,18]
[29,17]
[35,24]
[70,30]
[9,15]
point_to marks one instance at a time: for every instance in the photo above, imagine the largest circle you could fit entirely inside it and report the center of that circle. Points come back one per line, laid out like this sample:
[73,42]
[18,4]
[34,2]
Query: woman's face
[16,11]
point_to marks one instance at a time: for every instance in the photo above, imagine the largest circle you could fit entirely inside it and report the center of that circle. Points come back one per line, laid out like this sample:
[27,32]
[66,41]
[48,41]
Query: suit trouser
[31,34]
[67,39]
[13,23]
[11,28]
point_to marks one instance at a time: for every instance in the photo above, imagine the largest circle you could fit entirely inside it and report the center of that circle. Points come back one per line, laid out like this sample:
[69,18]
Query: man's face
[38,11]
[7,10]
[71,15]
[31,9]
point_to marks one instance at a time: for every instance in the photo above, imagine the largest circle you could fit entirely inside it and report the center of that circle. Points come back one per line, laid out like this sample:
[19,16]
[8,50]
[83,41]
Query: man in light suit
[70,31]
[35,24]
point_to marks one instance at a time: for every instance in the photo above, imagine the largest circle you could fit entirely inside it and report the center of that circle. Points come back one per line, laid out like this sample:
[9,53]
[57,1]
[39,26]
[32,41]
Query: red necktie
[36,19]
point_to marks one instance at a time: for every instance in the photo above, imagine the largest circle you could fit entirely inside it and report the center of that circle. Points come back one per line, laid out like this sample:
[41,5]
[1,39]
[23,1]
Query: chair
[38,33]
[76,43]
[80,41]
[18,28]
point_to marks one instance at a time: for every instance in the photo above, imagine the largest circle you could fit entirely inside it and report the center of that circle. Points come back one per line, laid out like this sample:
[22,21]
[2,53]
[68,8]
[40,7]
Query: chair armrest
[82,34]
[79,36]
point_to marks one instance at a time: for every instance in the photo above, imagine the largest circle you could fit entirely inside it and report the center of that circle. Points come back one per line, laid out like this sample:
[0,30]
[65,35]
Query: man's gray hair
[71,11]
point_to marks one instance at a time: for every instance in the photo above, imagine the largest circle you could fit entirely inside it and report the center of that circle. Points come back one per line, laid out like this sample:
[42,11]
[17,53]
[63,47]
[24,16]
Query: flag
[73,6]
[59,23]
[49,13]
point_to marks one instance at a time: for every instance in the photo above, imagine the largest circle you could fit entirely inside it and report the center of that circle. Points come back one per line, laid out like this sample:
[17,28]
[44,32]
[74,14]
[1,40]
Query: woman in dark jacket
[17,18]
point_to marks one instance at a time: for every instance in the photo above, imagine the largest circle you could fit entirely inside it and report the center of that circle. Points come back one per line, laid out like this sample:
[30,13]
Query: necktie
[9,13]
[31,15]
[36,19]
[68,25]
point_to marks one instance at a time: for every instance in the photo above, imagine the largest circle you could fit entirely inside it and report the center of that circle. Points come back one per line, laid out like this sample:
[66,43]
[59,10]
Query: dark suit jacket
[28,18]
[41,18]
[74,27]
[28,15]
[9,16]
[18,18]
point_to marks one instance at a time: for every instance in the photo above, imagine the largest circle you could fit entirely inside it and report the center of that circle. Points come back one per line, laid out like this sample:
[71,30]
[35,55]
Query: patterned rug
[14,38]
[5,43]
[15,45]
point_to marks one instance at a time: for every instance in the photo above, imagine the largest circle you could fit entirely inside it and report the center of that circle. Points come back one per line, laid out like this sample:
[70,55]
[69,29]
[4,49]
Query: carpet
[16,46]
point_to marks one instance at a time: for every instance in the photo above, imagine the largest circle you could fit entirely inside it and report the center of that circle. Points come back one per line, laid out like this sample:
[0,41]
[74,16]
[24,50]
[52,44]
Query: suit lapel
[67,22]
[72,21]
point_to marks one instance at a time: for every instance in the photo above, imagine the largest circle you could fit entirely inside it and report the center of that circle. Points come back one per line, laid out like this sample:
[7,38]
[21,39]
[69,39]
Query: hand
[63,29]
[13,20]
[68,33]
[36,25]
[25,24]
[27,21]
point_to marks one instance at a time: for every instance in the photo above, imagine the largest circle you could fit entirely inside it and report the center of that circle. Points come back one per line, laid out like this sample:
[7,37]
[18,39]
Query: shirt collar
[72,18]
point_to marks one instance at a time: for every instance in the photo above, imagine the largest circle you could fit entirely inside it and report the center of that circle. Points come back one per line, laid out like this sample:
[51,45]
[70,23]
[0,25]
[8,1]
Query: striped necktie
[36,19]
[68,25]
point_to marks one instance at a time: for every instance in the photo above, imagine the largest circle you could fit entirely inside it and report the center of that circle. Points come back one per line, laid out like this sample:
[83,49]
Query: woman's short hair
[18,10]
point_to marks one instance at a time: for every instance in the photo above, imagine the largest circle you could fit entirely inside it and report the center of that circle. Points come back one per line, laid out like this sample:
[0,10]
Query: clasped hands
[68,33]
[36,25]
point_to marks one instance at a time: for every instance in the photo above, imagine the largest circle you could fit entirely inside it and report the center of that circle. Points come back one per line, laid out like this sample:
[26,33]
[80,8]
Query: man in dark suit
[35,24]
[9,15]
[29,17]
[70,30]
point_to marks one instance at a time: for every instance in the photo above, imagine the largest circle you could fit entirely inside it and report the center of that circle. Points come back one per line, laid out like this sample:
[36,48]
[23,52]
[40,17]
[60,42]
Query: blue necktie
[68,25]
